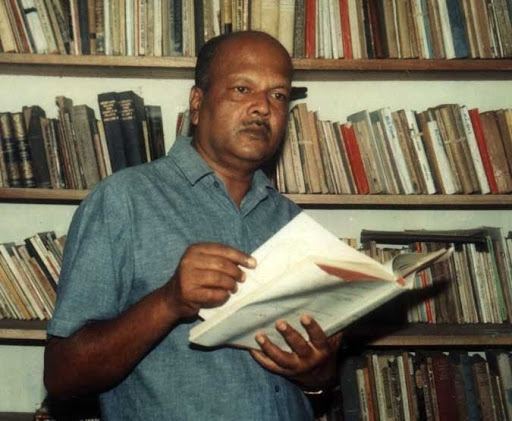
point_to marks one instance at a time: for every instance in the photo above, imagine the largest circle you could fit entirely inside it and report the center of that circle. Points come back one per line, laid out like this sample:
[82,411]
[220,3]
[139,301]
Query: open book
[305,269]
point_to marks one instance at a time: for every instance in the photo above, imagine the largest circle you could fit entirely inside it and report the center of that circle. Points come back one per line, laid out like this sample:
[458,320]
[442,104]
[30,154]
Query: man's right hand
[205,277]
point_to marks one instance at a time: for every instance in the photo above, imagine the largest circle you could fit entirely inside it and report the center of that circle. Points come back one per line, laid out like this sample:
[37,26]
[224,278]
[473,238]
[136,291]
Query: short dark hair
[209,50]
[205,58]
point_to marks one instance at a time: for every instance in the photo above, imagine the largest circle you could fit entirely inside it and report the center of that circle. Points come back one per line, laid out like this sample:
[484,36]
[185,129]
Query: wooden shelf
[404,201]
[16,416]
[318,200]
[414,335]
[143,66]
[22,331]
[434,335]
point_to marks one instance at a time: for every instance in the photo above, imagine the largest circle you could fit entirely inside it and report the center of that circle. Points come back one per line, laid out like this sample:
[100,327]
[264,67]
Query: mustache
[258,122]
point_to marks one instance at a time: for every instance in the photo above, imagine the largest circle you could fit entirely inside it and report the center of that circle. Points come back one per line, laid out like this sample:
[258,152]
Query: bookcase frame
[414,335]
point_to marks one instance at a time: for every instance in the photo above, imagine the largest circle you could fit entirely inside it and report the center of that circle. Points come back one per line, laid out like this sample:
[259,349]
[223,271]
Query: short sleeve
[97,268]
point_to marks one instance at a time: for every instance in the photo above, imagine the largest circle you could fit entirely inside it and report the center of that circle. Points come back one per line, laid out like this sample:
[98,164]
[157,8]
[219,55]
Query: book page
[331,301]
[300,238]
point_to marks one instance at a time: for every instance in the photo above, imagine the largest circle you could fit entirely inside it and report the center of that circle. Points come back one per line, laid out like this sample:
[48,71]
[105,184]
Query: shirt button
[216,184]
[277,388]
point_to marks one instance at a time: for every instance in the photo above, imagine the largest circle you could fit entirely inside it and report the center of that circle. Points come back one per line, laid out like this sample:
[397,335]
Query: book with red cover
[474,114]
[445,387]
[346,37]
[310,28]
[354,157]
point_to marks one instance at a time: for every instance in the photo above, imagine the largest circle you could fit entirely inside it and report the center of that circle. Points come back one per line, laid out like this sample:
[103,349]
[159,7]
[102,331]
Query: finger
[267,363]
[316,335]
[297,343]
[284,359]
[234,255]
[211,297]
[219,264]
[212,279]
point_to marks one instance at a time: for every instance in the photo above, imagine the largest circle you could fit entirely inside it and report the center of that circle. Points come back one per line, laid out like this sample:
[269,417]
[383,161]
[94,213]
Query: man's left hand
[311,362]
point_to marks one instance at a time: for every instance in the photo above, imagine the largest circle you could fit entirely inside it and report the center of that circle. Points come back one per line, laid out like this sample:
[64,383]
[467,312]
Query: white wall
[21,367]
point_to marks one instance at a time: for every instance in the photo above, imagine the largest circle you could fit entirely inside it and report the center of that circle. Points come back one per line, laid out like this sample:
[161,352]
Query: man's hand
[311,363]
[205,277]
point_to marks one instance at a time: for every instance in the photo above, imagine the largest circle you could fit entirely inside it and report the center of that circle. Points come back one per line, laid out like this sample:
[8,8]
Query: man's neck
[237,185]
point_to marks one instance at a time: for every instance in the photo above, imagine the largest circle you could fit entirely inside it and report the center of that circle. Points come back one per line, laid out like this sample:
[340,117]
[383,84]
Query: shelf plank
[42,195]
[23,330]
[331,200]
[461,200]
[435,335]
[414,335]
[172,64]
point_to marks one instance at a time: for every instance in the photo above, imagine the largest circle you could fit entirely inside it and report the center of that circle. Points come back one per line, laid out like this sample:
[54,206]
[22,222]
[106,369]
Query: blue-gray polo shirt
[126,240]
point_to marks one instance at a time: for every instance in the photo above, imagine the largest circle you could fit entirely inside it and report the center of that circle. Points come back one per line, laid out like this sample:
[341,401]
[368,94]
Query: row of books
[424,385]
[473,286]
[447,149]
[29,275]
[307,28]
[76,150]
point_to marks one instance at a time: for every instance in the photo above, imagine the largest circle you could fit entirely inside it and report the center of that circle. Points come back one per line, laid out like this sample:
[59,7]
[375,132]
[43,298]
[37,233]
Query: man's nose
[260,103]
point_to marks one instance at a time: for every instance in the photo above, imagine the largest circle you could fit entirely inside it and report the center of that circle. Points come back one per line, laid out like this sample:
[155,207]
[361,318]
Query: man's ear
[195,100]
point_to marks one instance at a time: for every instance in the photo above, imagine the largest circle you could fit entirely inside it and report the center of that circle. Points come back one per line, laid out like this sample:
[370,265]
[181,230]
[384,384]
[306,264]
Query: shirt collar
[188,160]
[194,167]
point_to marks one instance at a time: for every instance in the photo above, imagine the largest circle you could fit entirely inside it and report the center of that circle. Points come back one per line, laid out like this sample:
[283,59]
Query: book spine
[131,126]
[25,158]
[36,144]
[111,121]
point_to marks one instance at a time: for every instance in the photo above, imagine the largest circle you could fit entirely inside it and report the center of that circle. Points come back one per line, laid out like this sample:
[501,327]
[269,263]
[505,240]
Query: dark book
[132,115]
[198,24]
[377,29]
[99,23]
[445,388]
[36,142]
[24,155]
[299,29]
[110,115]
[457,26]
[4,179]
[155,130]
[10,150]
[368,30]
[176,28]
[349,387]
[83,16]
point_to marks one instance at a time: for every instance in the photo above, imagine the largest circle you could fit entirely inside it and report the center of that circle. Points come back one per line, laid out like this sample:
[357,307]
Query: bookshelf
[143,71]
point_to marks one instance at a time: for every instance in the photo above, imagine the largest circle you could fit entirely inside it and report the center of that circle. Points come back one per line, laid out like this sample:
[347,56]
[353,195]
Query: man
[153,244]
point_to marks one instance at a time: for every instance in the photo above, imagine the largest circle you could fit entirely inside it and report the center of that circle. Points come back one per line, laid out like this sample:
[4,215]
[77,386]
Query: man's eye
[241,89]
[280,96]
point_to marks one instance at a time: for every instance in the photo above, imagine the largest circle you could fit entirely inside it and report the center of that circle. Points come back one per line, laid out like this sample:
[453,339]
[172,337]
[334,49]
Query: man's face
[242,117]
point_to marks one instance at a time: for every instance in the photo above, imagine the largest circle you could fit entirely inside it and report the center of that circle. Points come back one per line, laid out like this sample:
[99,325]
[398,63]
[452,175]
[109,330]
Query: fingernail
[260,338]
[251,262]
[306,319]
[281,325]
[243,277]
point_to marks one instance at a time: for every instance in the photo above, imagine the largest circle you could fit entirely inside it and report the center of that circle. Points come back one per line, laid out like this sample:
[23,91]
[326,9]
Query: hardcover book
[305,269]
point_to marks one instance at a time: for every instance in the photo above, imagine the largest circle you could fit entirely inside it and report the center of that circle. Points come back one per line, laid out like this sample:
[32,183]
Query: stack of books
[29,274]
[332,29]
[447,149]
[76,150]
[425,385]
